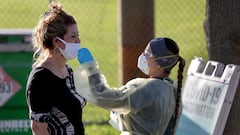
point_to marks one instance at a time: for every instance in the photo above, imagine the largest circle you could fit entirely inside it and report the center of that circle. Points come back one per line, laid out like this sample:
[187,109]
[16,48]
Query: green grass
[181,20]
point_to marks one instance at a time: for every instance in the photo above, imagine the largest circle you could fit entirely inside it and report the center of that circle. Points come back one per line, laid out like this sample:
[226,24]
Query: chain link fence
[98,23]
[181,20]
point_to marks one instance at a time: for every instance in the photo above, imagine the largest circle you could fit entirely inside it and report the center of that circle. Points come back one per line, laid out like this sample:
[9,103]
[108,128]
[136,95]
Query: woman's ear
[57,42]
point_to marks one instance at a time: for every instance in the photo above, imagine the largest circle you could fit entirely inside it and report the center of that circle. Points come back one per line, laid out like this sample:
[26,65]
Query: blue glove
[84,55]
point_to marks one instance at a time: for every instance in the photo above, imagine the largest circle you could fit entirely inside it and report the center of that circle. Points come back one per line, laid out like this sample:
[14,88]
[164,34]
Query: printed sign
[207,97]
[15,125]
[8,87]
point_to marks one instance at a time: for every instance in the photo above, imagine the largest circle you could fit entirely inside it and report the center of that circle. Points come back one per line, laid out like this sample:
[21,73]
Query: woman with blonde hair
[55,108]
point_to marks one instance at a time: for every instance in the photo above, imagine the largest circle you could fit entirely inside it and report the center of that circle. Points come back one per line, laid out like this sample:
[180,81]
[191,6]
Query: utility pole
[136,29]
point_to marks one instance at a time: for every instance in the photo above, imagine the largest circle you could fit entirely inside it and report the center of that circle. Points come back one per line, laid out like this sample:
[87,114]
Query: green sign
[14,70]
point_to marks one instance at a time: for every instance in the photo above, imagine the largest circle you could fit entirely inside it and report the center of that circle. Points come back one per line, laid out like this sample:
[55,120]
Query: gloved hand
[84,55]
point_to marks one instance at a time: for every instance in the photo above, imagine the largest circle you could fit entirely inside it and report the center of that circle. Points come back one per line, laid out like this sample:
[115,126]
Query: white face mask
[143,64]
[71,49]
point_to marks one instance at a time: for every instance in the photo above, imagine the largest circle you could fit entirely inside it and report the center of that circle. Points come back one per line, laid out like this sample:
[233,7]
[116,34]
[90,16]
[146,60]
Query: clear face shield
[143,64]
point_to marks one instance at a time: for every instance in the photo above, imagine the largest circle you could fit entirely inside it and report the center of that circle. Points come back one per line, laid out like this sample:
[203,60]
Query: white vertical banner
[207,97]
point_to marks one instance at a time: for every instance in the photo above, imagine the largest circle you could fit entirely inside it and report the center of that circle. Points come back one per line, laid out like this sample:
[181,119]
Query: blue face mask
[71,49]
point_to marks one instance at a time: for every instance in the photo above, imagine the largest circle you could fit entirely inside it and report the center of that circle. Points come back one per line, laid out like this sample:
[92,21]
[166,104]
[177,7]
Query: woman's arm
[39,128]
[92,85]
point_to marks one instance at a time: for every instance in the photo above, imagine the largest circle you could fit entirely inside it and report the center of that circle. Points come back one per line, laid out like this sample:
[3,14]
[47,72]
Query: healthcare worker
[143,106]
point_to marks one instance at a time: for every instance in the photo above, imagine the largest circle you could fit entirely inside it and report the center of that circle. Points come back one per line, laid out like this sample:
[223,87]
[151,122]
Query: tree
[222,31]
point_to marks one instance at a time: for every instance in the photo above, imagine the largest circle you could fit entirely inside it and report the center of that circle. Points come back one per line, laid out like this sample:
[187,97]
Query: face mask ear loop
[172,63]
[56,51]
[61,40]
[169,56]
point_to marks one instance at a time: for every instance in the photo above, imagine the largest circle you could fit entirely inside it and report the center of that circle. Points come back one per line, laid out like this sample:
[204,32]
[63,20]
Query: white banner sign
[207,97]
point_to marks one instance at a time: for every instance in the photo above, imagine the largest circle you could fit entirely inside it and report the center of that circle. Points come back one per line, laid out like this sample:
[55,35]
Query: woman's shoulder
[156,82]
[138,82]
[144,80]
[40,72]
[38,76]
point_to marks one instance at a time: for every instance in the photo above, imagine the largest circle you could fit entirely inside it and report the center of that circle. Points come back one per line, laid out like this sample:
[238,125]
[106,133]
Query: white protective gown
[144,106]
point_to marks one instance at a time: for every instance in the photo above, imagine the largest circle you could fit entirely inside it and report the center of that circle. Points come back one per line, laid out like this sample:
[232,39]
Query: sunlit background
[181,20]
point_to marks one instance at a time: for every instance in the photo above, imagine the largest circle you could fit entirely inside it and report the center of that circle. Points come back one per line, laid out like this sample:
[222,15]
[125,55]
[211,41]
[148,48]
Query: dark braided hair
[179,91]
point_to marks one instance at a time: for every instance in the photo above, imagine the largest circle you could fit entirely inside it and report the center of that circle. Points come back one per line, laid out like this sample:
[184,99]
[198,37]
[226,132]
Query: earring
[55,49]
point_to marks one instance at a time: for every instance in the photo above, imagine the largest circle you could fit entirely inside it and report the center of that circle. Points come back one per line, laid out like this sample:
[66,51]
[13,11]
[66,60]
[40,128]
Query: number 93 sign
[8,87]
